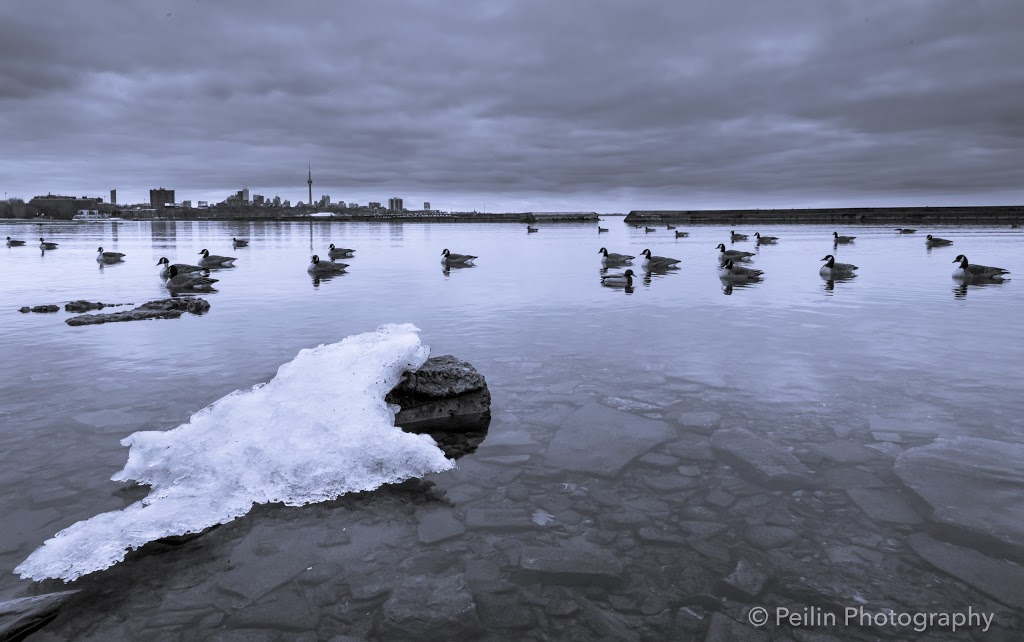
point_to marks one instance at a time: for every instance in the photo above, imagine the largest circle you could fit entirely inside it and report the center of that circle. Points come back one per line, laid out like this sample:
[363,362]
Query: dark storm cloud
[598,104]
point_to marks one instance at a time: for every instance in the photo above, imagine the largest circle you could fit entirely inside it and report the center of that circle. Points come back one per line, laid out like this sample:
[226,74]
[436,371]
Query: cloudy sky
[511,105]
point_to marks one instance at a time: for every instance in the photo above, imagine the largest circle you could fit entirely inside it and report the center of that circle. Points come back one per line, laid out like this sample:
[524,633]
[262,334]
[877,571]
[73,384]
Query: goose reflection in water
[446,268]
[324,278]
[961,287]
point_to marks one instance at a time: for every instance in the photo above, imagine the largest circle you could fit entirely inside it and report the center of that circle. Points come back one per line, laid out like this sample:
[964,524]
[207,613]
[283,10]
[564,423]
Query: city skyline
[520,106]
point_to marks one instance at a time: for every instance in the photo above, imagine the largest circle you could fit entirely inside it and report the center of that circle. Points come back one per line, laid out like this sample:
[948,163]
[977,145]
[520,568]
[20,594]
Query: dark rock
[700,422]
[86,306]
[439,377]
[670,483]
[1000,579]
[660,536]
[568,566]
[429,608]
[285,610]
[975,486]
[590,440]
[659,461]
[503,612]
[884,505]
[703,530]
[763,461]
[501,519]
[20,617]
[39,308]
[162,309]
[844,452]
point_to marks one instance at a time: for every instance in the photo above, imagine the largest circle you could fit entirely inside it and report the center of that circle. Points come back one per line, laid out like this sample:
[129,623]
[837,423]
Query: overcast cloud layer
[542,105]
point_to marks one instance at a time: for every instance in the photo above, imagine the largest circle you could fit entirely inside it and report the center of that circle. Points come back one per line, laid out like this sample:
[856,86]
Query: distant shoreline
[990,214]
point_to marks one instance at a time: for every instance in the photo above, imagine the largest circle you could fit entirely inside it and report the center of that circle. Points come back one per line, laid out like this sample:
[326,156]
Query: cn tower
[310,183]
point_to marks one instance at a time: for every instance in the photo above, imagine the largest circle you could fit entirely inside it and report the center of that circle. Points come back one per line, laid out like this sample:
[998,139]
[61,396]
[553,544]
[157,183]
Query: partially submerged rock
[39,308]
[974,486]
[430,608]
[85,306]
[20,617]
[446,395]
[162,309]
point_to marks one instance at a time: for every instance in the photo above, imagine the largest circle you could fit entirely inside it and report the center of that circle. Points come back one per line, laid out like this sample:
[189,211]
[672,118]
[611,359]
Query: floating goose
[321,268]
[14,242]
[339,252]
[656,262]
[182,268]
[842,239]
[456,259]
[239,242]
[176,281]
[934,240]
[212,260]
[905,230]
[680,235]
[736,273]
[46,245]
[108,257]
[735,255]
[971,272]
[610,258]
[832,270]
[737,237]
[618,280]
[649,229]
[669,227]
[765,240]
[601,229]
[530,229]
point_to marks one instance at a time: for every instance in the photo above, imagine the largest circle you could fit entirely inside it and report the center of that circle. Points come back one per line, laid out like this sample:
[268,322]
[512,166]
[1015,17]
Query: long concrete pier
[988,215]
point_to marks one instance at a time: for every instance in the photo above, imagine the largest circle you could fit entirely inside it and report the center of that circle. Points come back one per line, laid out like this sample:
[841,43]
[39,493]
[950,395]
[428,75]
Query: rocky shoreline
[692,519]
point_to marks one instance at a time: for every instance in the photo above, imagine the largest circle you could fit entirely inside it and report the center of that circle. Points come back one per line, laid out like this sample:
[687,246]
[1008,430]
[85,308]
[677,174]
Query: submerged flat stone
[884,505]
[762,461]
[569,566]
[971,484]
[998,578]
[430,608]
[599,440]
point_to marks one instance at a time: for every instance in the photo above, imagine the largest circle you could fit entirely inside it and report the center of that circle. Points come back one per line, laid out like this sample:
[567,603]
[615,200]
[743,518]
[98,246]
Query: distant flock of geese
[181,276]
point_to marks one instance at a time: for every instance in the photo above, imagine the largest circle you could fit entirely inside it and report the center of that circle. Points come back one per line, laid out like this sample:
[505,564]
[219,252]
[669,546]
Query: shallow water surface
[888,360]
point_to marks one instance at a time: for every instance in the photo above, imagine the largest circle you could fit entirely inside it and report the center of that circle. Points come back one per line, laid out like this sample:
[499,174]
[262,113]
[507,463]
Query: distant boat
[90,216]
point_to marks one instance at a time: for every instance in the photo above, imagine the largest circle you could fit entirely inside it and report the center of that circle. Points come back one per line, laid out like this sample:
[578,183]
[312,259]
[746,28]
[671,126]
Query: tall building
[395,204]
[113,197]
[310,183]
[245,195]
[325,200]
[426,205]
[159,197]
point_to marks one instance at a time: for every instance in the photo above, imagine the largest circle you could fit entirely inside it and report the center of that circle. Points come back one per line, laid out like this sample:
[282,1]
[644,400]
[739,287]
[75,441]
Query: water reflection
[446,268]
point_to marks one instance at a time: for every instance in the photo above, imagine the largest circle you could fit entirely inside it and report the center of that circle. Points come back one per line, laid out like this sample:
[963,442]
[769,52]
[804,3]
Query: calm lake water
[793,358]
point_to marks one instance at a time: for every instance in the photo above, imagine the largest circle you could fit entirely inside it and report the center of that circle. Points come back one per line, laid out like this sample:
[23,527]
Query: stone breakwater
[162,309]
[988,215]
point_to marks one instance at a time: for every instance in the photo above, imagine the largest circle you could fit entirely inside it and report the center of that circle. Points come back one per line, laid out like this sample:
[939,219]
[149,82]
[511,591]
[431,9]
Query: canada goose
[176,281]
[833,270]
[737,237]
[239,242]
[732,272]
[601,229]
[46,245]
[182,268]
[680,235]
[213,261]
[14,242]
[610,258]
[449,258]
[648,230]
[669,227]
[530,229]
[934,241]
[108,257]
[969,271]
[905,230]
[735,255]
[339,252]
[656,262]
[321,268]
[765,240]
[842,239]
[618,280]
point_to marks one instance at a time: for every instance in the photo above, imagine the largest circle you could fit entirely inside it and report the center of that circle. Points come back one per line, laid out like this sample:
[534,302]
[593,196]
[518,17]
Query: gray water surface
[793,357]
